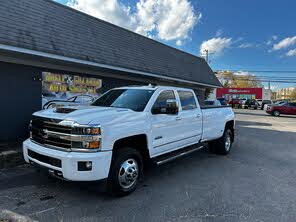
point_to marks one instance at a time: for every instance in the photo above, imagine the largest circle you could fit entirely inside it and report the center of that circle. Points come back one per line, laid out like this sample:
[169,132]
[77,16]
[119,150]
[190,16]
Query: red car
[234,102]
[285,108]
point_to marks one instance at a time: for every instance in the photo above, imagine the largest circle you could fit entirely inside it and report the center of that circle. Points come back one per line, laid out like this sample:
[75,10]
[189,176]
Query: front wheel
[276,113]
[125,172]
[223,145]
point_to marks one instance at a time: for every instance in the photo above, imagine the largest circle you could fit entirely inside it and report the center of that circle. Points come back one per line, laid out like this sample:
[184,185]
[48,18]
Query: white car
[115,136]
[74,100]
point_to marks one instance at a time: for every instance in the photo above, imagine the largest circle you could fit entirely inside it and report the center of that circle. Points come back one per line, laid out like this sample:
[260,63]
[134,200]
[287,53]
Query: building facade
[240,93]
[50,51]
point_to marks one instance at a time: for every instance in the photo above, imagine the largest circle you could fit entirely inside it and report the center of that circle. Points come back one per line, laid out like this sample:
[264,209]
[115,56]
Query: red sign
[258,92]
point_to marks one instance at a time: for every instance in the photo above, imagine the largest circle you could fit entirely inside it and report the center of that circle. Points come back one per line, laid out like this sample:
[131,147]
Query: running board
[165,158]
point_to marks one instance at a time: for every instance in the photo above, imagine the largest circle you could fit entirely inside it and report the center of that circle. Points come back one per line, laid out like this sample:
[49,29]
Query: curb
[11,158]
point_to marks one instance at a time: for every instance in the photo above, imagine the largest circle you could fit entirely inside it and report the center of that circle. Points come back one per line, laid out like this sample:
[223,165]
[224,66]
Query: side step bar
[165,158]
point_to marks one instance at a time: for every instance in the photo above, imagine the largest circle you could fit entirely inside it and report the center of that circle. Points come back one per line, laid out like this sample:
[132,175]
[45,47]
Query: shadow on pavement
[260,114]
[248,123]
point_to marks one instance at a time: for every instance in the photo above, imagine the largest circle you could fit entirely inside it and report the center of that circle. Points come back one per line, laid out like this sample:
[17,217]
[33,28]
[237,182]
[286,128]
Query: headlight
[87,130]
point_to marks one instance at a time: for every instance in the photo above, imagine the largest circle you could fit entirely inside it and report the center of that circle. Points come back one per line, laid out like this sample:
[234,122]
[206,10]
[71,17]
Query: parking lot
[256,182]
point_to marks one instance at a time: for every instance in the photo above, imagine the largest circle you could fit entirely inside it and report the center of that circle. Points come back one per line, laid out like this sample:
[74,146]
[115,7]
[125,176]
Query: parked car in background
[265,102]
[281,102]
[242,103]
[234,102]
[288,108]
[259,101]
[251,103]
[74,100]
[215,102]
[223,101]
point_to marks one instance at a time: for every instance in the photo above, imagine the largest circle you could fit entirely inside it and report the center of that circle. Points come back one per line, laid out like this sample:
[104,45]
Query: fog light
[88,165]
[85,166]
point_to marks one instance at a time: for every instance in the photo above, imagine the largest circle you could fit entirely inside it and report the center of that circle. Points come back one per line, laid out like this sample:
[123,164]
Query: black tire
[219,146]
[276,113]
[129,156]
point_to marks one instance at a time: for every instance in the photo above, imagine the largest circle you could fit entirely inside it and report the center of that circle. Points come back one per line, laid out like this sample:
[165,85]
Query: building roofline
[95,64]
[125,29]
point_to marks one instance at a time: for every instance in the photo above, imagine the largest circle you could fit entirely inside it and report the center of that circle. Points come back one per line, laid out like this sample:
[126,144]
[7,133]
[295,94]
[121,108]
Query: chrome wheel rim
[128,173]
[276,113]
[227,142]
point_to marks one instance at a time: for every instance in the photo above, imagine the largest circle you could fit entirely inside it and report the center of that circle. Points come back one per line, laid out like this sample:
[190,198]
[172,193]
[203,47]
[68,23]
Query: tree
[293,95]
[208,91]
[238,80]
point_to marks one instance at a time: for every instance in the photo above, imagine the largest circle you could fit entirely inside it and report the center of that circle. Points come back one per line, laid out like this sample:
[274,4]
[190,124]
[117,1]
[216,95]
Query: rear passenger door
[189,118]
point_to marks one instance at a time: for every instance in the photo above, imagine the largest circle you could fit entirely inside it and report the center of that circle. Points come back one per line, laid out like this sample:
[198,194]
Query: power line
[263,71]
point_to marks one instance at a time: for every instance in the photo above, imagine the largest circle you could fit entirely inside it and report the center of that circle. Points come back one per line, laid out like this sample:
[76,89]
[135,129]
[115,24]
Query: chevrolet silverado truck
[121,131]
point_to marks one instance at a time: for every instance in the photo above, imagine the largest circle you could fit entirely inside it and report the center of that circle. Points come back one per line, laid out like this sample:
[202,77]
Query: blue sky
[245,35]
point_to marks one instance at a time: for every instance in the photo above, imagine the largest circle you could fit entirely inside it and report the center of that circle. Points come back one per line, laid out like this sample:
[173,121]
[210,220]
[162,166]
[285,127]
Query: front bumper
[101,162]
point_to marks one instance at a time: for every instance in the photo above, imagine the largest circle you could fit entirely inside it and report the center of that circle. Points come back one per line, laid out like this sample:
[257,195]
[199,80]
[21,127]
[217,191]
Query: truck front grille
[39,128]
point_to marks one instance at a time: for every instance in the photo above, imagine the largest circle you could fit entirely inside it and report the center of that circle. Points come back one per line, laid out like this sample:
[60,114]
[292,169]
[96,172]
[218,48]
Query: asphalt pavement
[255,182]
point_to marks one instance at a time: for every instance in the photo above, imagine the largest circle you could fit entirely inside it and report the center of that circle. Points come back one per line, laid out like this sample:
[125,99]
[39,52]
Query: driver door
[165,133]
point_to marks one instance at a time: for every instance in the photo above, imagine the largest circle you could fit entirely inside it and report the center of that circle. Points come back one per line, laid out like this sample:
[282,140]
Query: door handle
[178,118]
[198,115]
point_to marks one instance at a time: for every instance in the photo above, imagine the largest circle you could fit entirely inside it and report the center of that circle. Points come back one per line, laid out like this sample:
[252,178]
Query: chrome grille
[39,128]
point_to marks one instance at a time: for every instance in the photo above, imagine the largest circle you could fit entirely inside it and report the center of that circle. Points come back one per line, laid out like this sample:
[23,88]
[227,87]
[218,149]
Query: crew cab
[288,108]
[124,129]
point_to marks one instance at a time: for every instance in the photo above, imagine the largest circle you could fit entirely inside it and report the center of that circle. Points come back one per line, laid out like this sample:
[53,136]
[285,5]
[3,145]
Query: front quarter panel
[122,127]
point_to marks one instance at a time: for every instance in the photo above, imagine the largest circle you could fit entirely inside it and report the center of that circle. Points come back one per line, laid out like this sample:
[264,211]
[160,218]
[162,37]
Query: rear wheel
[125,172]
[223,145]
[276,113]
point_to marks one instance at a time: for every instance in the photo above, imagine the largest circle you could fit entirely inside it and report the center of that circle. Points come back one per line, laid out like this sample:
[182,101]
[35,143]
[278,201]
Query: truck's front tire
[125,172]
[223,145]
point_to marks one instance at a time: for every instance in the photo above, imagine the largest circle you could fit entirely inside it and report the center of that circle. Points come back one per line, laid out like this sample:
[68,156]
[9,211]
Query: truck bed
[214,119]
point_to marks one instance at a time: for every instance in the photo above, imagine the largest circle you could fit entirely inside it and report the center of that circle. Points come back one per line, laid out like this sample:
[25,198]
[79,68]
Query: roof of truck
[153,87]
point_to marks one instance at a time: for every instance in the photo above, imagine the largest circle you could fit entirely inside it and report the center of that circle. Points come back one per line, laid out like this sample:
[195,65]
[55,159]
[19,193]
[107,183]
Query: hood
[87,114]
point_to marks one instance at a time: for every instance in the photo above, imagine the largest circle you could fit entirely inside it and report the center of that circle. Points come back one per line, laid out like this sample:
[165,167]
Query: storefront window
[64,89]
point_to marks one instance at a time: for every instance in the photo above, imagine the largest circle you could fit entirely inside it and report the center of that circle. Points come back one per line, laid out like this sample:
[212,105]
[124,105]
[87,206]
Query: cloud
[271,40]
[292,52]
[246,45]
[285,43]
[169,20]
[219,32]
[215,46]
[179,43]
[110,10]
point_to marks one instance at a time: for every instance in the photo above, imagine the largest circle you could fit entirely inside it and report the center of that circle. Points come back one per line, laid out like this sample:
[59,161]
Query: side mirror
[170,108]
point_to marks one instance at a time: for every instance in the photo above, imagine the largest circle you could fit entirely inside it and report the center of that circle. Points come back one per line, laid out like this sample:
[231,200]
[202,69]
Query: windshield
[134,99]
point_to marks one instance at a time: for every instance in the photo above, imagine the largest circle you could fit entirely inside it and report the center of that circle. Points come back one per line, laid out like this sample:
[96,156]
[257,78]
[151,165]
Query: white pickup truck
[120,131]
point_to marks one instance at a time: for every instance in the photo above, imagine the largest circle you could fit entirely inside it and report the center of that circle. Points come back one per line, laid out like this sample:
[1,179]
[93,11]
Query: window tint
[187,100]
[134,99]
[163,97]
[292,104]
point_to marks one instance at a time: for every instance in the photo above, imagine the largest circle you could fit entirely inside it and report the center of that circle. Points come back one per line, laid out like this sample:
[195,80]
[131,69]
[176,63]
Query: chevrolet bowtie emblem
[45,133]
